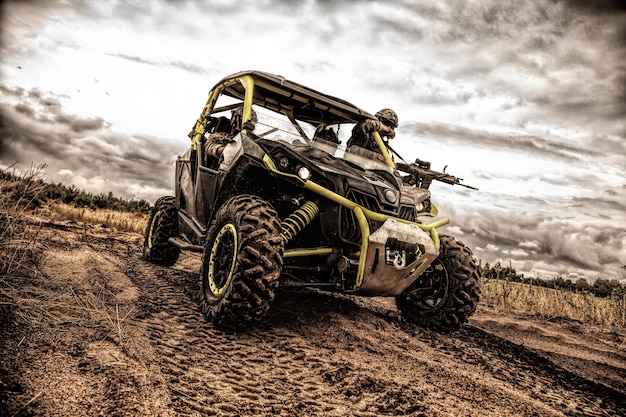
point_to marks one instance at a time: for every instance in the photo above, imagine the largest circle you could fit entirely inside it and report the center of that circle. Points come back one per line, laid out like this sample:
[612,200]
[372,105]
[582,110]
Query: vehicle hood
[328,160]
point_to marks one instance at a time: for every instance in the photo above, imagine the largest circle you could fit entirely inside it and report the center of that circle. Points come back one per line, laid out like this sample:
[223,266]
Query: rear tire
[446,294]
[162,224]
[241,263]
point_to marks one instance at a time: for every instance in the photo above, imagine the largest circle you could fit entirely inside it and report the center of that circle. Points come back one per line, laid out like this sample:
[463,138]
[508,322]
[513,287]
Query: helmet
[389,116]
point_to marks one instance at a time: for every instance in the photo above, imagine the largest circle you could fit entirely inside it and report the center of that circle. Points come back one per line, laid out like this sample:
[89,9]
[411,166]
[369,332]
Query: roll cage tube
[383,149]
[199,128]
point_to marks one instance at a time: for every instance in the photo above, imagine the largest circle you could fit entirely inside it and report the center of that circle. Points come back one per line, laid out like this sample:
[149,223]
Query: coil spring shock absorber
[298,220]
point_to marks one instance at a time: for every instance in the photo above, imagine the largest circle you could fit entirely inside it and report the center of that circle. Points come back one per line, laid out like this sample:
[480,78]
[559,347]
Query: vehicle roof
[278,94]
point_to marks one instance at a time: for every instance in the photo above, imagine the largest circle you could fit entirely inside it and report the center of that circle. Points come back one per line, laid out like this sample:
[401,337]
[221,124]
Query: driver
[385,125]
[216,142]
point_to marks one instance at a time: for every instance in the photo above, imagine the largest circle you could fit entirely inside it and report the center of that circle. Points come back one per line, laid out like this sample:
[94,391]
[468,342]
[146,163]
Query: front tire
[446,294]
[241,263]
[162,224]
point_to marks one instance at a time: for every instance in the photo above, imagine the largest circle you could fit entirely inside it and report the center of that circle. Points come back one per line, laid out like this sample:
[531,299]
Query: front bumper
[397,254]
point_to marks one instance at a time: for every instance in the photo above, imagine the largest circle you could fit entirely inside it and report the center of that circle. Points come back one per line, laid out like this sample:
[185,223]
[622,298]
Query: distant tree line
[79,198]
[71,195]
[601,287]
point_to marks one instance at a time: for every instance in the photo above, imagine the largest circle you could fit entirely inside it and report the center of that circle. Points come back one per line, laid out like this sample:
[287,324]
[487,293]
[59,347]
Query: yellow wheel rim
[153,223]
[222,260]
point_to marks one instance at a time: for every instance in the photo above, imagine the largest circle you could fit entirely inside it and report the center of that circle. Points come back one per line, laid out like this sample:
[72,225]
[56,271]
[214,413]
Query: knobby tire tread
[162,252]
[463,291]
[258,263]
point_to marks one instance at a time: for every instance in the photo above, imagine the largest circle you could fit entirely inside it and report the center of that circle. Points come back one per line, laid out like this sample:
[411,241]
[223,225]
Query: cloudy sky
[524,100]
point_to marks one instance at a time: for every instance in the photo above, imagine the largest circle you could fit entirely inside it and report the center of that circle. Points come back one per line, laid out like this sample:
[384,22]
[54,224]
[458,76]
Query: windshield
[331,139]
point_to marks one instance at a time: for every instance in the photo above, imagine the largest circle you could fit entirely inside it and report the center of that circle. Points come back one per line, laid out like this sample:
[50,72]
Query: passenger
[237,117]
[216,142]
[326,133]
[385,125]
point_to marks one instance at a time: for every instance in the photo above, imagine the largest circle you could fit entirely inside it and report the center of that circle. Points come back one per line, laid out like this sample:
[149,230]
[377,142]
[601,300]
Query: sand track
[97,331]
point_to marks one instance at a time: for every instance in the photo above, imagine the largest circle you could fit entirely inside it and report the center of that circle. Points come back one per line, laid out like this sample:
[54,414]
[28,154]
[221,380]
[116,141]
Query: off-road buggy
[286,204]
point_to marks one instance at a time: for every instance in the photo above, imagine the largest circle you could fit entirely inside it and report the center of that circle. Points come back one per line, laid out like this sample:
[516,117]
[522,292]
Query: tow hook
[399,254]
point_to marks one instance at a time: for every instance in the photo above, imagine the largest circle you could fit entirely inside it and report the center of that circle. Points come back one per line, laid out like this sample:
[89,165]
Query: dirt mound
[96,331]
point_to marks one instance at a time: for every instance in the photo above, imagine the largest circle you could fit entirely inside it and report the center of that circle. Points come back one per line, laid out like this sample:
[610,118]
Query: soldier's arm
[369,126]
[215,144]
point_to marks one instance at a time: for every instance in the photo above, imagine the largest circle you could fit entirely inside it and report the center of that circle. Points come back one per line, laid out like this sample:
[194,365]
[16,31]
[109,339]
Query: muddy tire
[241,263]
[446,294]
[162,224]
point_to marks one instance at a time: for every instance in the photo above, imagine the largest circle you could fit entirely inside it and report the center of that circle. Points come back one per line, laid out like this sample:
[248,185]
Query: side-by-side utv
[287,204]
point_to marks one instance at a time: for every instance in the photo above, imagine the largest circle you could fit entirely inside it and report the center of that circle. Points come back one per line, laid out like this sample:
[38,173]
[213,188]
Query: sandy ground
[96,331]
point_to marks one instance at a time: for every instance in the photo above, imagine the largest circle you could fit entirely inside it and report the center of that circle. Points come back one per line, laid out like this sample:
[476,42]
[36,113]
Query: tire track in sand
[260,372]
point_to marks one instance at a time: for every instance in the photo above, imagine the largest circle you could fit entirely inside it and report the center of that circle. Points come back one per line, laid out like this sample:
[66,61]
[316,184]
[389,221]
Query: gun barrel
[469,186]
[427,175]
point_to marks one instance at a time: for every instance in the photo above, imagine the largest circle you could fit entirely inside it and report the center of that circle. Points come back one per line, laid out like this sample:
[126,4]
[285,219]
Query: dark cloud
[597,205]
[25,109]
[396,27]
[49,110]
[598,6]
[48,101]
[542,57]
[80,124]
[21,21]
[560,243]
[186,66]
[480,21]
[133,58]
[531,144]
[100,160]
[12,91]
[552,234]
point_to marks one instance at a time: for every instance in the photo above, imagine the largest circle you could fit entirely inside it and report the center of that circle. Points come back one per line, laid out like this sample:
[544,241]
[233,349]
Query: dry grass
[17,238]
[33,303]
[551,303]
[128,222]
[22,295]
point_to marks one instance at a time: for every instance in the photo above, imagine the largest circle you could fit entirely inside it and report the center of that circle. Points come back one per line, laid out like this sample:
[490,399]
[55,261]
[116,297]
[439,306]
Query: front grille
[350,228]
[407,213]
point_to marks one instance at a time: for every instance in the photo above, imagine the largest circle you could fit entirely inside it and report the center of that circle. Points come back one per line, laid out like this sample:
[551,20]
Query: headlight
[283,162]
[423,206]
[304,173]
[391,196]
